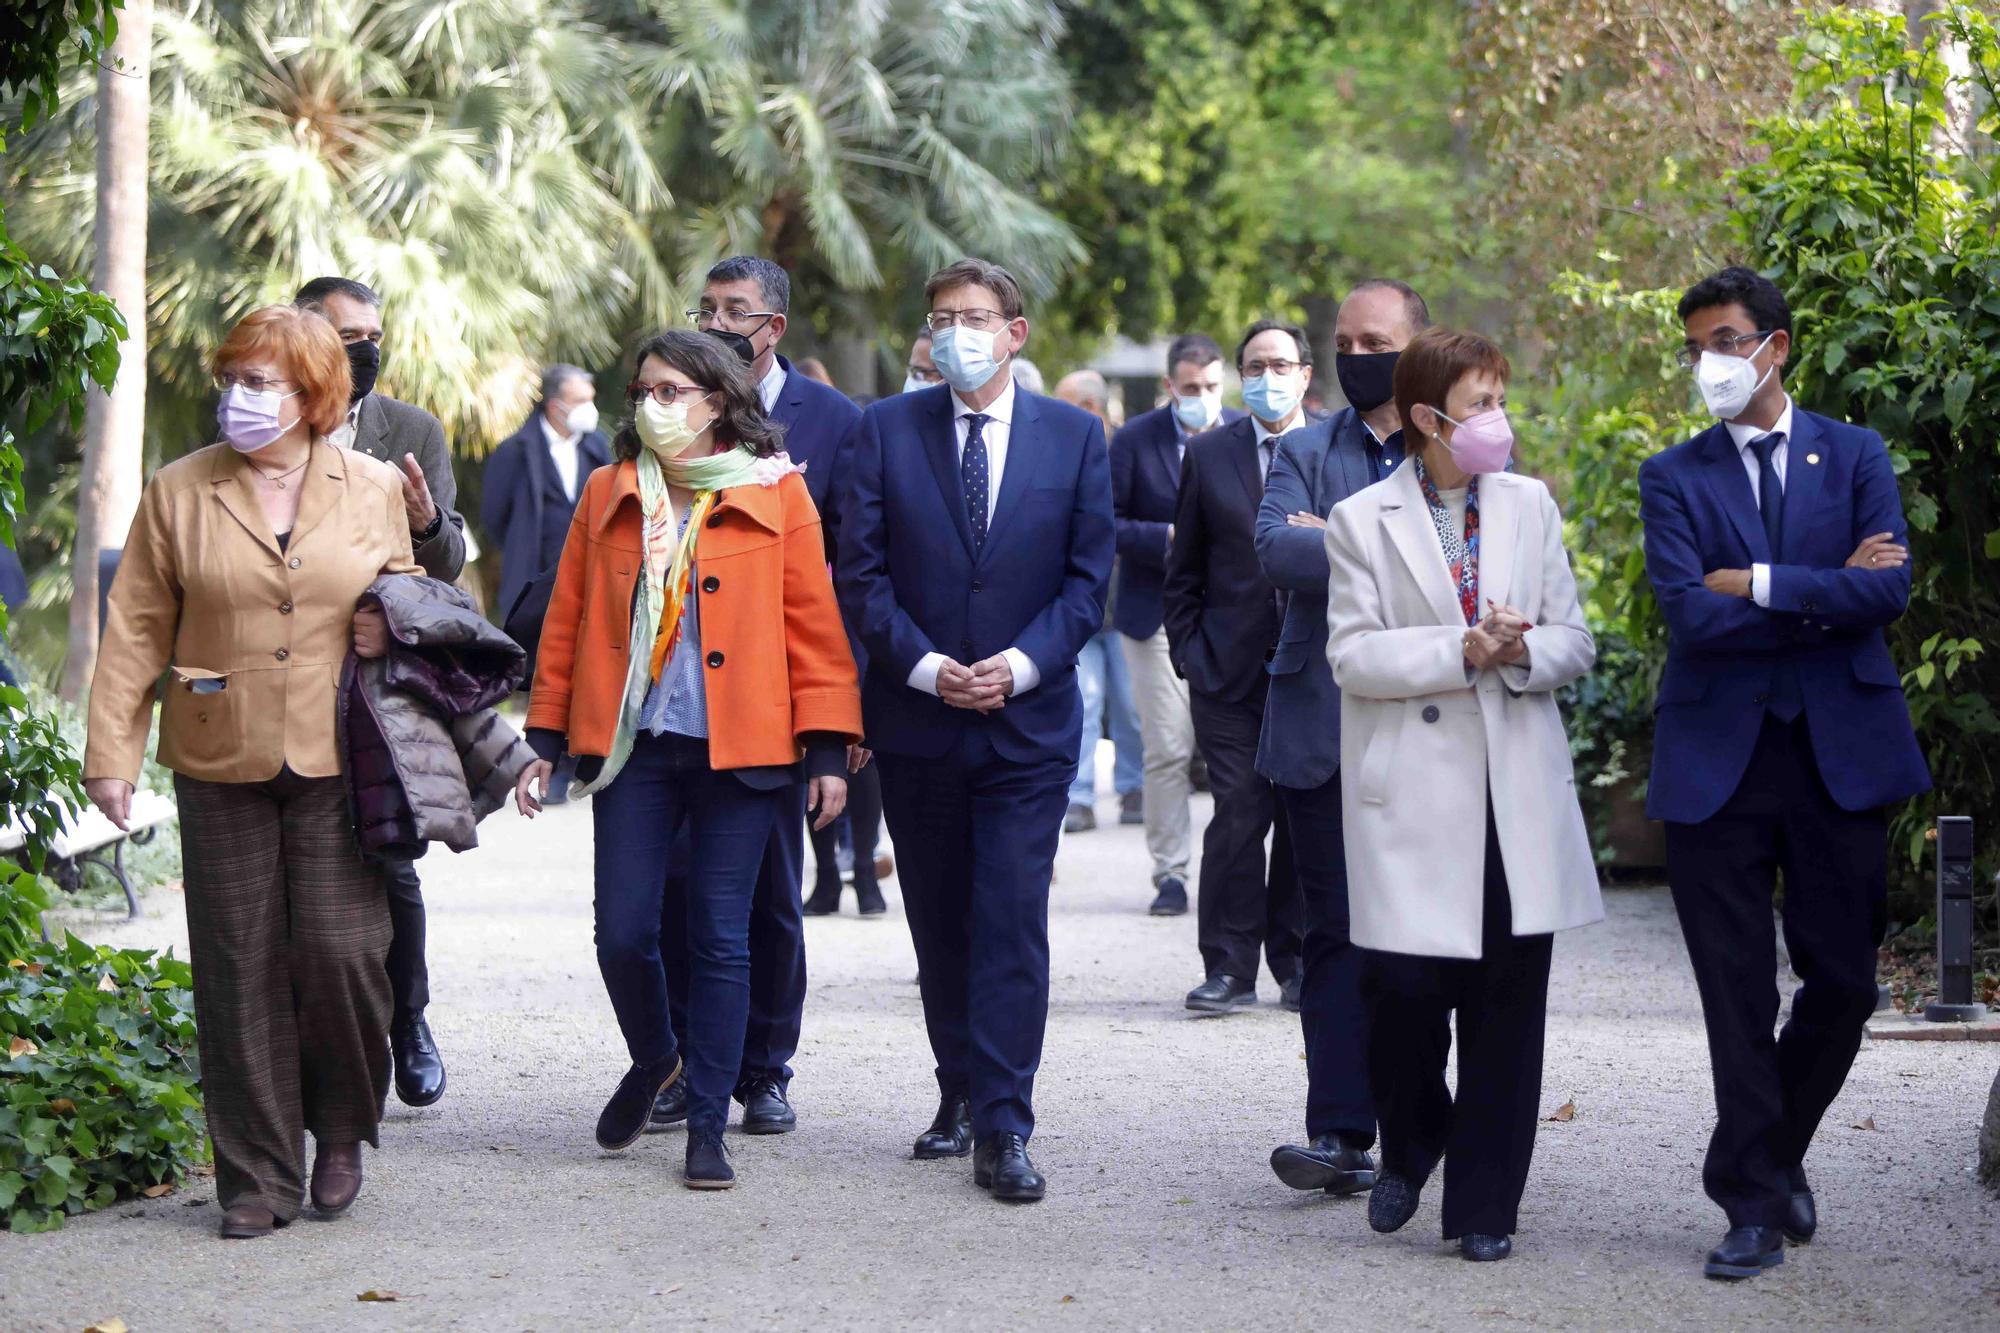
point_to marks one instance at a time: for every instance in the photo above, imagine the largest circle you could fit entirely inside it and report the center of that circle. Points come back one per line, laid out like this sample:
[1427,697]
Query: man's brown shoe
[336,1177]
[248,1221]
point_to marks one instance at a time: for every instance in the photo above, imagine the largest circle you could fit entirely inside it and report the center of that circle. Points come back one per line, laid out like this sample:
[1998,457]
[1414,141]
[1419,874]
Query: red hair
[306,351]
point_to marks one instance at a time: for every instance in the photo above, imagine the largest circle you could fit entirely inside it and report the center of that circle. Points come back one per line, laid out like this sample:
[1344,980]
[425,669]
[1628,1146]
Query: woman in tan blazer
[239,581]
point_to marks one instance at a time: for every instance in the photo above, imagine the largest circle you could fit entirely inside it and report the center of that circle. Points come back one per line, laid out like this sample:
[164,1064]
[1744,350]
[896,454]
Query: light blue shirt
[678,700]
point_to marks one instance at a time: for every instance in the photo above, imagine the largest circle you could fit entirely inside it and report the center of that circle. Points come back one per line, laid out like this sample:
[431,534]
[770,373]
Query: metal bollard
[1954,923]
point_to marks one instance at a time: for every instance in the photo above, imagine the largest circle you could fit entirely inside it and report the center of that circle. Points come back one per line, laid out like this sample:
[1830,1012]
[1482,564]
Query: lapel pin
[1812,458]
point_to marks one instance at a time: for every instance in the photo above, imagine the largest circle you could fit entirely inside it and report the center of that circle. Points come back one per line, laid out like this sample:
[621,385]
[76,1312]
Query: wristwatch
[431,529]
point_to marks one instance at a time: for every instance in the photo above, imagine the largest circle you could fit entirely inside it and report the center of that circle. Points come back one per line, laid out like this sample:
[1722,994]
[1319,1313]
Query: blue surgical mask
[1198,411]
[964,357]
[1272,398]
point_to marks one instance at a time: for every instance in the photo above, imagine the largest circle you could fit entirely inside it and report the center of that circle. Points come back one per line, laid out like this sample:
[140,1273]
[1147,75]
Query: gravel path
[494,1210]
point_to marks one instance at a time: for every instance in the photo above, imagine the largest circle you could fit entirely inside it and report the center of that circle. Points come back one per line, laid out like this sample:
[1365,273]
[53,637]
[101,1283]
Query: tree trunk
[114,433]
[1989,1138]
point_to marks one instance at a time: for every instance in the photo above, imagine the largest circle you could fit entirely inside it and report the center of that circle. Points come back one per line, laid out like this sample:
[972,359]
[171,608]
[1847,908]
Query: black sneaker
[670,1107]
[708,1161]
[1169,897]
[630,1109]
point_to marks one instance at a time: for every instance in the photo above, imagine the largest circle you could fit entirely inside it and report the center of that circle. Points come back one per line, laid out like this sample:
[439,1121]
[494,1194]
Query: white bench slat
[90,830]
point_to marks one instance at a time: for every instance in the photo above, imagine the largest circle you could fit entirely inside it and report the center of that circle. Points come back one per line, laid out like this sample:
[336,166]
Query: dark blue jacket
[817,418]
[909,584]
[1316,467]
[1145,479]
[1824,622]
[522,506]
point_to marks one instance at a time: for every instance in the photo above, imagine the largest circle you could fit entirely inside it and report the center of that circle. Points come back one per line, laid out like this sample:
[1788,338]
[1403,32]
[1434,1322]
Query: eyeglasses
[1722,345]
[980,321]
[927,376]
[225,380]
[1252,369]
[666,395]
[732,320]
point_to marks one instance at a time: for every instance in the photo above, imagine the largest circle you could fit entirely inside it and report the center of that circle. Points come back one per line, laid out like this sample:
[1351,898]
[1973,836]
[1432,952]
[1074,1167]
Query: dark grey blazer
[1316,467]
[387,429]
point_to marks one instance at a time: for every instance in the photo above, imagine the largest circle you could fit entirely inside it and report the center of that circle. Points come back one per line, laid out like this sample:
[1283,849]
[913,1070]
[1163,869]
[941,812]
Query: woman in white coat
[1452,616]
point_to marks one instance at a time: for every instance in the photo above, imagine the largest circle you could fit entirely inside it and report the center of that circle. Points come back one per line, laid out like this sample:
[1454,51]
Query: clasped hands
[1498,640]
[982,687]
[1880,551]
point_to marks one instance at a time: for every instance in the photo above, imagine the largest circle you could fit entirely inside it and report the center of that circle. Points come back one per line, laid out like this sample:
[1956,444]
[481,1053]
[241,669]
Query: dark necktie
[972,478]
[1269,451]
[1770,492]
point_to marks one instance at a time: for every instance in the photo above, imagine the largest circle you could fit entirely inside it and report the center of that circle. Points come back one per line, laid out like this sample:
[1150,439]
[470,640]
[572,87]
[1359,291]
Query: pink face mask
[1481,443]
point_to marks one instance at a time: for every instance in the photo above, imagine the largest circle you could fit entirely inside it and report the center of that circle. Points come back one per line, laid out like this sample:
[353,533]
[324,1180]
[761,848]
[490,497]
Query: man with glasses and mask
[975,553]
[1222,620]
[1777,550]
[921,372]
[746,303]
[412,441]
[534,477]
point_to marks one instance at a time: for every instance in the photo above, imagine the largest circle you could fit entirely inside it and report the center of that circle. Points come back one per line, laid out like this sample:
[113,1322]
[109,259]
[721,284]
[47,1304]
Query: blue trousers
[665,782]
[1330,1007]
[1102,676]
[976,842]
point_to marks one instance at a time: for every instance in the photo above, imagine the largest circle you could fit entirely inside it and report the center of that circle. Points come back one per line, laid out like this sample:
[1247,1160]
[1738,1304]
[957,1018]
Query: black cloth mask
[736,343]
[1366,378]
[364,358]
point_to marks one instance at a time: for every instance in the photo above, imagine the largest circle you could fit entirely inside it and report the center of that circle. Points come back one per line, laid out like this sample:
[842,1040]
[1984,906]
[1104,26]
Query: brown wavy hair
[710,363]
[306,351]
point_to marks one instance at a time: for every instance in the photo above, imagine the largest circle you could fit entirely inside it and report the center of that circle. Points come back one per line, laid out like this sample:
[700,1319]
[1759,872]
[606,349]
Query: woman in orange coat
[692,658]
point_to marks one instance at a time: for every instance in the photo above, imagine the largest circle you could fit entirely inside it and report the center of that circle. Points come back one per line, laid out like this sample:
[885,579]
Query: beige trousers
[1167,726]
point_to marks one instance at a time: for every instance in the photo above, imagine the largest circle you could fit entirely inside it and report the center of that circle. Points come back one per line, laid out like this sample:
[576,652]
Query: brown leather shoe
[336,1177]
[248,1221]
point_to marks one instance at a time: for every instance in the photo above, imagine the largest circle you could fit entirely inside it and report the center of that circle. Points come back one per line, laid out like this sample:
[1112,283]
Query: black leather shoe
[708,1162]
[868,897]
[765,1110]
[825,899]
[1132,808]
[419,1071]
[670,1107]
[1485,1249]
[1327,1164]
[1222,993]
[1801,1218]
[630,1109]
[1746,1252]
[950,1134]
[1291,994]
[1169,898]
[1393,1203]
[1001,1167]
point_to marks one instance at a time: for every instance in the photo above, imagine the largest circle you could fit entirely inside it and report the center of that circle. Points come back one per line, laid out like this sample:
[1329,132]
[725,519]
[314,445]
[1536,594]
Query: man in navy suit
[1222,628]
[1145,480]
[1780,738]
[746,303]
[975,552]
[1299,751]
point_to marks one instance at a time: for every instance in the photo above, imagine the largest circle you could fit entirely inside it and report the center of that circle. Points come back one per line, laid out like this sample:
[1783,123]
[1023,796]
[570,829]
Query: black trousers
[1243,905]
[864,817]
[1487,1136]
[1770,1093]
[777,945]
[409,973]
[1336,1025]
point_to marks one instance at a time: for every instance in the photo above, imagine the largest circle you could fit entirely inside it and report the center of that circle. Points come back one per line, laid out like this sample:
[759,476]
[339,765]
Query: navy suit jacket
[1824,622]
[522,506]
[1145,479]
[1221,612]
[1316,468]
[817,419]
[910,585]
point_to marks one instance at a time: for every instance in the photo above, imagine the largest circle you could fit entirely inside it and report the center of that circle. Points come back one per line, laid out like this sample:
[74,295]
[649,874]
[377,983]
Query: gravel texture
[494,1210]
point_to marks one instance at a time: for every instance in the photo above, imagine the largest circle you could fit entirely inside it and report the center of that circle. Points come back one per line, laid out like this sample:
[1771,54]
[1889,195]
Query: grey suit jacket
[1316,467]
[387,429]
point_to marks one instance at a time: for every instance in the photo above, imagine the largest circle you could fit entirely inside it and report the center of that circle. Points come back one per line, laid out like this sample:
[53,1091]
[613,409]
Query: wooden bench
[89,839]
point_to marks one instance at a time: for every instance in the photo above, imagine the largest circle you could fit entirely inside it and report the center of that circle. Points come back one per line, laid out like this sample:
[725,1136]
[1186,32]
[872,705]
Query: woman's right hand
[113,796]
[526,799]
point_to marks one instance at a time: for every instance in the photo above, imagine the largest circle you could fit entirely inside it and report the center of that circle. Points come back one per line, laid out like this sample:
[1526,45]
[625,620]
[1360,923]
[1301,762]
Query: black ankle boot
[825,899]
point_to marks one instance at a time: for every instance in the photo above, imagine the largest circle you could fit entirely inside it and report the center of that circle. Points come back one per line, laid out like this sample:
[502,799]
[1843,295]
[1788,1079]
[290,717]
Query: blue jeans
[666,782]
[1102,676]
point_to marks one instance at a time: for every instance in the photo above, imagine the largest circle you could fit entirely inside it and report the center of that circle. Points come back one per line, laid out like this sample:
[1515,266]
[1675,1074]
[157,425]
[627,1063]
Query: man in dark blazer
[746,302]
[1775,544]
[1222,628]
[412,441]
[975,553]
[1145,481]
[1299,751]
[534,476]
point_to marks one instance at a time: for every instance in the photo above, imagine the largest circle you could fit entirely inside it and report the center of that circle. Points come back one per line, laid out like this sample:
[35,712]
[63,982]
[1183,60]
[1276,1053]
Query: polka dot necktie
[973,478]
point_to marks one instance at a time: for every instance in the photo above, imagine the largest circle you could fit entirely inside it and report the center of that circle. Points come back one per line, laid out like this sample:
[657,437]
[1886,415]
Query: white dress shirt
[343,434]
[994,434]
[1265,435]
[1742,434]
[771,386]
[563,450]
